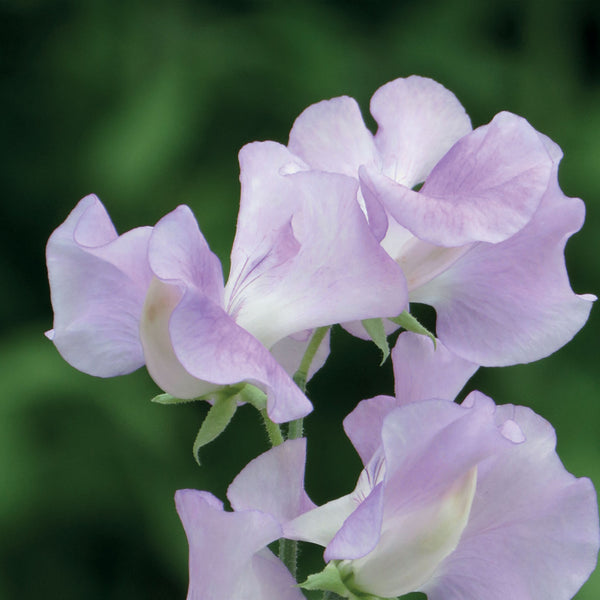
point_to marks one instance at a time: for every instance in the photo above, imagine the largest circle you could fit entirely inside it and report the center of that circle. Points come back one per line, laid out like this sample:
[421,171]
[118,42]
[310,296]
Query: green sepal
[168,399]
[333,579]
[254,396]
[328,580]
[376,331]
[410,323]
[215,422]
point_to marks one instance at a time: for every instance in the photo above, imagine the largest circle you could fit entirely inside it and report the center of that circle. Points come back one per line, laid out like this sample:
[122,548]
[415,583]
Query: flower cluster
[461,501]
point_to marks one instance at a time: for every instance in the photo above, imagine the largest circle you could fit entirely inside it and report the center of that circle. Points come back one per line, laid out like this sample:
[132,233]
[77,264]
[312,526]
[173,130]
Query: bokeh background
[147,103]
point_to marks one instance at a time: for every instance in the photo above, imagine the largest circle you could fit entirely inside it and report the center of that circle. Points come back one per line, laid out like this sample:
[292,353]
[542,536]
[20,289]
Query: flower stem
[288,549]
[273,430]
[301,375]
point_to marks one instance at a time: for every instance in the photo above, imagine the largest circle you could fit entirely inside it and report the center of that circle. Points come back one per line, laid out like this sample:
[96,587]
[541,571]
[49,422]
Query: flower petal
[340,272]
[331,136]
[361,531]
[213,348]
[320,525]
[98,281]
[508,303]
[363,425]
[274,483]
[533,530]
[422,372]
[179,253]
[274,579]
[289,352]
[191,344]
[486,188]
[223,548]
[419,121]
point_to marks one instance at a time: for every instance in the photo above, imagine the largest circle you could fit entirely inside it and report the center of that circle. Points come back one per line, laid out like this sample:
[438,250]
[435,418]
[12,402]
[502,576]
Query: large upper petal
[331,136]
[533,529]
[228,558]
[485,188]
[336,272]
[98,281]
[419,121]
[507,303]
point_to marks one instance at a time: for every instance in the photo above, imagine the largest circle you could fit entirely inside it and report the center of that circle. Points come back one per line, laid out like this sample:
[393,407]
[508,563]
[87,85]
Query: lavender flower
[464,502]
[155,296]
[483,240]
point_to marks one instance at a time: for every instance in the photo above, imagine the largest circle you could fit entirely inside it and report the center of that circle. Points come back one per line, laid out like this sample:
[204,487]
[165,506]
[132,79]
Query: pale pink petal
[331,136]
[340,272]
[266,208]
[363,425]
[212,347]
[507,303]
[419,121]
[533,528]
[273,578]
[486,188]
[227,552]
[422,371]
[320,525]
[361,531]
[98,281]
[274,483]
[179,253]
[289,352]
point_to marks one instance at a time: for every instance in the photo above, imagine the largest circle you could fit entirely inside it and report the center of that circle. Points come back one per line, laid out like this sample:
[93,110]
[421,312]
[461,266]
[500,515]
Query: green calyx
[224,404]
[410,323]
[337,579]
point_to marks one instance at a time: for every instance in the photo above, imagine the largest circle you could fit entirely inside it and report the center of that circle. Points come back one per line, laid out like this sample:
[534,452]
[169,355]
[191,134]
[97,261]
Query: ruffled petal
[98,281]
[486,188]
[422,372]
[274,483]
[212,347]
[266,209]
[331,136]
[430,444]
[227,556]
[320,525]
[274,579]
[419,121]
[508,303]
[533,530]
[179,253]
[339,273]
[361,531]
[363,425]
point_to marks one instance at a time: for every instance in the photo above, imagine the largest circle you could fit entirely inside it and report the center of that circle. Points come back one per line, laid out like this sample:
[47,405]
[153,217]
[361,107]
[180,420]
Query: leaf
[376,330]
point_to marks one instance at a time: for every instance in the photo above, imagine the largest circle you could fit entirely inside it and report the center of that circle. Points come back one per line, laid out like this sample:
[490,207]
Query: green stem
[288,549]
[273,430]
[295,429]
[301,374]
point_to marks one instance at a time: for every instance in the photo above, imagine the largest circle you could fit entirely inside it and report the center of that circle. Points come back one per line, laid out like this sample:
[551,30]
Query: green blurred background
[146,104]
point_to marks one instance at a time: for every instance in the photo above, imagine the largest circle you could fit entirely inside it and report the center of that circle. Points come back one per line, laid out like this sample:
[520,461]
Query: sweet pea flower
[156,296]
[461,502]
[482,241]
[228,557]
